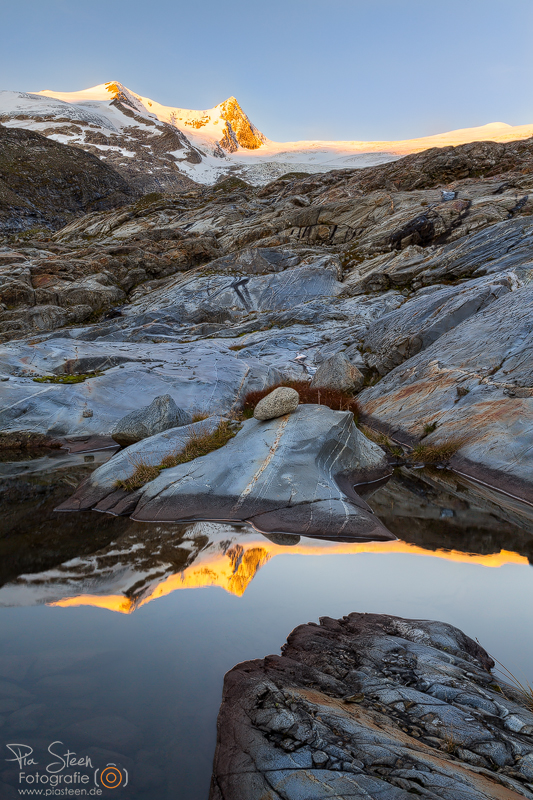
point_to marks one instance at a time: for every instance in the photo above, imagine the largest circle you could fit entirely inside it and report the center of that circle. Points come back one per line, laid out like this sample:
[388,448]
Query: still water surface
[115,636]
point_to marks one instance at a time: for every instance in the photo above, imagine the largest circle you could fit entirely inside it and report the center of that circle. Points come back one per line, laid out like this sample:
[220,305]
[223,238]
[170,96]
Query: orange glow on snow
[235,570]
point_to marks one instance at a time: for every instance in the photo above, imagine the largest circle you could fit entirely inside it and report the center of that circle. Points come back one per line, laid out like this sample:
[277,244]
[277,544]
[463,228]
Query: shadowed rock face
[43,183]
[281,476]
[376,707]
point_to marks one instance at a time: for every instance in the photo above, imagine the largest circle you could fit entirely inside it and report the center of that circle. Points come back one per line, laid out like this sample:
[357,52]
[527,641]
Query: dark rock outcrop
[44,183]
[376,707]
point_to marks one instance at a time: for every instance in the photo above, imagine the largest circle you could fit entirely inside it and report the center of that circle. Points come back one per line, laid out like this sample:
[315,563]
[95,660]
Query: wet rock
[294,474]
[11,690]
[429,719]
[159,416]
[337,372]
[279,402]
[150,451]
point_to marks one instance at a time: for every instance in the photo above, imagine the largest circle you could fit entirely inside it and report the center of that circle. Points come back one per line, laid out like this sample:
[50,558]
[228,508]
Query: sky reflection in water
[159,667]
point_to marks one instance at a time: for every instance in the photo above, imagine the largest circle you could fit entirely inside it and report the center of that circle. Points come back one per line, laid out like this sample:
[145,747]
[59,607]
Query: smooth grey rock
[159,416]
[294,474]
[337,372]
[221,297]
[282,475]
[151,451]
[282,400]
[201,377]
[404,332]
[489,355]
[423,688]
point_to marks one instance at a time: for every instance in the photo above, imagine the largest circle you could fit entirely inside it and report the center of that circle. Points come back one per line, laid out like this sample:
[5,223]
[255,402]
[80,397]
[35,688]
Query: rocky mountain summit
[153,147]
[163,148]
[377,707]
[417,273]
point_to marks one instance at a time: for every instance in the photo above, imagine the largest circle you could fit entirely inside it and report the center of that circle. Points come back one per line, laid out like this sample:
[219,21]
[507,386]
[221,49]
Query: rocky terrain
[165,148]
[44,184]
[417,273]
[376,707]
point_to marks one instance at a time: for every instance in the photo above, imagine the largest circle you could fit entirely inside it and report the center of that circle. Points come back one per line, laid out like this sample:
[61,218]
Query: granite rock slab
[202,377]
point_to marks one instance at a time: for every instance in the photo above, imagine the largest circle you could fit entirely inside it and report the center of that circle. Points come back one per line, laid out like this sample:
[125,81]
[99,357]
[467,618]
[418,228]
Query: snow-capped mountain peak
[158,147]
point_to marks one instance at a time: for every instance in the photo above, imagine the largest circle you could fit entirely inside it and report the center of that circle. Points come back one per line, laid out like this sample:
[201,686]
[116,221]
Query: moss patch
[68,378]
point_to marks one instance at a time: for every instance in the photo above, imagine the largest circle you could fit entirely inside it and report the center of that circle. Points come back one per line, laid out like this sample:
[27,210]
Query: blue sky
[301,69]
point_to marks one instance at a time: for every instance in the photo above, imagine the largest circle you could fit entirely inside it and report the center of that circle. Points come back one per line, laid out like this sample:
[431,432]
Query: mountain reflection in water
[143,690]
[120,565]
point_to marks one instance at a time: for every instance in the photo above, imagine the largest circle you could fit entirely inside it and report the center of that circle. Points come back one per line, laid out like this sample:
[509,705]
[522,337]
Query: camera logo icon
[111,776]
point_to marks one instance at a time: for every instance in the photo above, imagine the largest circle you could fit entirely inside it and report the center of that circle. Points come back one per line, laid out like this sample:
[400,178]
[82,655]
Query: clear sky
[301,69]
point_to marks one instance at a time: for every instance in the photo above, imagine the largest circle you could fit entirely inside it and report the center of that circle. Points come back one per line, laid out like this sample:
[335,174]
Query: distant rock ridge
[46,184]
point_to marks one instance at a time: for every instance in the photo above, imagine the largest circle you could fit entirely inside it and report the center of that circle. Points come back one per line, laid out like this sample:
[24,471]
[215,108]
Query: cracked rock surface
[376,707]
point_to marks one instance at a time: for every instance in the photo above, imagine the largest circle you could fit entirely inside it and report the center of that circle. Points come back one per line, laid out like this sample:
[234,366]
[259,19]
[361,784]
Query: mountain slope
[44,183]
[157,147]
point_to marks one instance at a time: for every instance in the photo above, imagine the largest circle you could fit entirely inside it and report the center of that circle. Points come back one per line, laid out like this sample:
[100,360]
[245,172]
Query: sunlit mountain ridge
[140,136]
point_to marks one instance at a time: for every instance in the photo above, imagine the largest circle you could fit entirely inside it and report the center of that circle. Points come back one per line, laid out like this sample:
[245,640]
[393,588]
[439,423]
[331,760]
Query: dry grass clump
[199,417]
[523,691]
[200,443]
[382,439]
[439,452]
[333,398]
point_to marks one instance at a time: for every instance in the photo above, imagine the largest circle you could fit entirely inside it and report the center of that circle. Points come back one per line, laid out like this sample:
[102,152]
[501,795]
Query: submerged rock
[282,400]
[159,416]
[375,707]
[294,474]
[337,372]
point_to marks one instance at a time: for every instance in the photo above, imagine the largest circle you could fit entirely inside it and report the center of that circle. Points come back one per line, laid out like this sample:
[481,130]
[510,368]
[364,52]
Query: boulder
[159,416]
[338,373]
[282,400]
[294,474]
[376,707]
